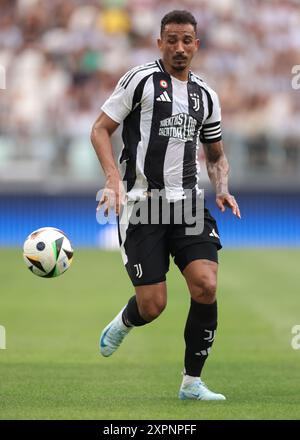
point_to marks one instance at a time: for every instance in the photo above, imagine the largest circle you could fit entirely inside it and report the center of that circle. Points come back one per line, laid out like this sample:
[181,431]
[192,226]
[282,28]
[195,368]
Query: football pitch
[51,368]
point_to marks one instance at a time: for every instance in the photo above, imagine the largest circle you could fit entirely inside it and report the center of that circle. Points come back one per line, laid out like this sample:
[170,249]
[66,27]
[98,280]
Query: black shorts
[146,248]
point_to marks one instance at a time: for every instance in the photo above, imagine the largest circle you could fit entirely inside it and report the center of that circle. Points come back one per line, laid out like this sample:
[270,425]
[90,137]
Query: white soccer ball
[47,252]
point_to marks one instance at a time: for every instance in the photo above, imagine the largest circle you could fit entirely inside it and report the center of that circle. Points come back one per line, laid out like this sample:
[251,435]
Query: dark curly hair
[179,17]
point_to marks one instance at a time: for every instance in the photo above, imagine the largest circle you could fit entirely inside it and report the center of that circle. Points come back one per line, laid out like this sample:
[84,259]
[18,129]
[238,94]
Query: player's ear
[159,43]
[197,43]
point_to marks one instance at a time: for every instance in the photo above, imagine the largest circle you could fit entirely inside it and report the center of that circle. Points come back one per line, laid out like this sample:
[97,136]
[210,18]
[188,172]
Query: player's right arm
[101,133]
[114,111]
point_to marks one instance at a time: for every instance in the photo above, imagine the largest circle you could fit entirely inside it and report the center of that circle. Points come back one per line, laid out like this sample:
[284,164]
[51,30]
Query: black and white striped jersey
[163,120]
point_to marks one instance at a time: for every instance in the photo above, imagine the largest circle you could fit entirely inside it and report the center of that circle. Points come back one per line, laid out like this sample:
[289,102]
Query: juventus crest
[196,101]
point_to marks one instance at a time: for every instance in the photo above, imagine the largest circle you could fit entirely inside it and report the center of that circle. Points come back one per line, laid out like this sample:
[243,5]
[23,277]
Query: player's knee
[153,308]
[204,290]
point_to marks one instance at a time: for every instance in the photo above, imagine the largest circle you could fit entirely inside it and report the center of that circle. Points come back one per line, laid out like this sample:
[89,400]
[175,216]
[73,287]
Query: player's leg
[200,328]
[197,258]
[201,324]
[145,255]
[142,308]
[146,305]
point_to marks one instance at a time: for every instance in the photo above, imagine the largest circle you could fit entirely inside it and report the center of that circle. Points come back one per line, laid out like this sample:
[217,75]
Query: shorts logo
[139,270]
[196,101]
[163,84]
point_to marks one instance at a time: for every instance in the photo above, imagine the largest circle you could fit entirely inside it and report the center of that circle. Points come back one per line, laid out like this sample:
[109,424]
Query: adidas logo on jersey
[164,97]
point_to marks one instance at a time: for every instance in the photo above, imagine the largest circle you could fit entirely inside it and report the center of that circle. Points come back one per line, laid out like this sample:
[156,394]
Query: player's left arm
[218,170]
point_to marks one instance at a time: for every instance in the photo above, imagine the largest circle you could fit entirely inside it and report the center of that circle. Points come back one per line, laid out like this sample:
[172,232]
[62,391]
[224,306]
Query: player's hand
[113,196]
[227,200]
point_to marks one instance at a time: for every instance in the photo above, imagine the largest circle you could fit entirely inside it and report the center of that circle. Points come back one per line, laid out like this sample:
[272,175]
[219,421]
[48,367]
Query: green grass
[51,368]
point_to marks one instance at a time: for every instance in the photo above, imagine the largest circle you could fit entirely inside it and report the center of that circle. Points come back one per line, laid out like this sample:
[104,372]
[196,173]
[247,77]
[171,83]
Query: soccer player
[165,110]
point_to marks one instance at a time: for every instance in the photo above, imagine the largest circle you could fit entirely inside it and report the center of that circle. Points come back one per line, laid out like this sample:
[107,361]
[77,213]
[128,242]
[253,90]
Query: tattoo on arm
[217,166]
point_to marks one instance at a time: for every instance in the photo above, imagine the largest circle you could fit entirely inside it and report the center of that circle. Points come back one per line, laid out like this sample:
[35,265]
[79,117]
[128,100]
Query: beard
[179,64]
[179,68]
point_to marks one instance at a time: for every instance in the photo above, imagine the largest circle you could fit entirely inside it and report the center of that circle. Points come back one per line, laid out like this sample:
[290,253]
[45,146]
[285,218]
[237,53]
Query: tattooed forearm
[217,166]
[218,169]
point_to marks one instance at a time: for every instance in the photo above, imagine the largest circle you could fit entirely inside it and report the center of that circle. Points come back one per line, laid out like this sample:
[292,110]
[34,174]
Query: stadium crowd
[63,57]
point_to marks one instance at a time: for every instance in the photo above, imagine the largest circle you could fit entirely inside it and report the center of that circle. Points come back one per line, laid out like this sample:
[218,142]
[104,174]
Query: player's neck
[182,75]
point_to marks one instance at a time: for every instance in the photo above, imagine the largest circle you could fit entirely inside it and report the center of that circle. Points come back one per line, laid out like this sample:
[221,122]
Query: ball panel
[69,254]
[47,252]
[34,269]
[36,263]
[40,246]
[52,273]
[58,245]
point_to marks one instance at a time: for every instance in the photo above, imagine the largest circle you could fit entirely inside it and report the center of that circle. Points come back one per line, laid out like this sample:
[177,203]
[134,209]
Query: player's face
[178,45]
